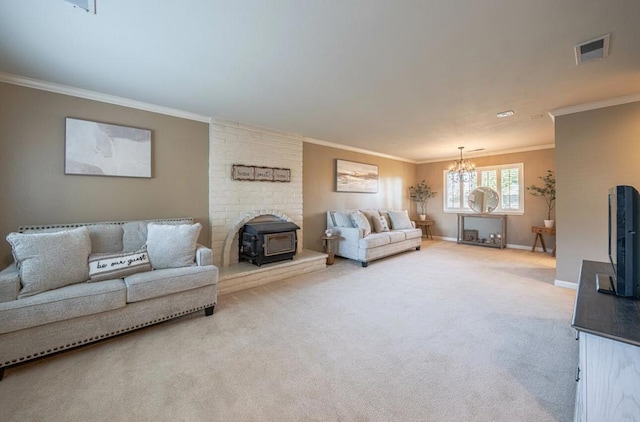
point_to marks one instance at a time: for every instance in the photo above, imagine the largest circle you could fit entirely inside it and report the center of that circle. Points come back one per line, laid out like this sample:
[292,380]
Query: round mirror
[483,199]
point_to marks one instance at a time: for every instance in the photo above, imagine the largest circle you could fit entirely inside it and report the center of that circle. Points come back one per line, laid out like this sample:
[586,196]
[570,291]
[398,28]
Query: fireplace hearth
[266,242]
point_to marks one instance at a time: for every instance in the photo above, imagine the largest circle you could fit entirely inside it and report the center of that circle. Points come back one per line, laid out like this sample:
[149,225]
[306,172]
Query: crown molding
[593,105]
[354,149]
[502,152]
[97,96]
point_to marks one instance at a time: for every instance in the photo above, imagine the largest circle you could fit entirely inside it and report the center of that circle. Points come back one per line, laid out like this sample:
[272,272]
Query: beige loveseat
[73,284]
[369,234]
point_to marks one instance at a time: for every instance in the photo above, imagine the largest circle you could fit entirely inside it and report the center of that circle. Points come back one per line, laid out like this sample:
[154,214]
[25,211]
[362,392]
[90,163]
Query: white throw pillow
[360,221]
[172,246]
[107,266]
[49,261]
[400,220]
[341,219]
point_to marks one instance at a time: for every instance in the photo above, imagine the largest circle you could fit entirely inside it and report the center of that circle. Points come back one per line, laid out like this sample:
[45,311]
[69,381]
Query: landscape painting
[356,177]
[101,149]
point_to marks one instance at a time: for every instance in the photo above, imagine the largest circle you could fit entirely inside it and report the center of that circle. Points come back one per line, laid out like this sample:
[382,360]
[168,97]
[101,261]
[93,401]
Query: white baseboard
[565,284]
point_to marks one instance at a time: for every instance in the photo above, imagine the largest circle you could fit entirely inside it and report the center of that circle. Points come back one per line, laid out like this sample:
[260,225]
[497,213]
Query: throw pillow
[341,219]
[105,238]
[380,224]
[105,266]
[172,246]
[360,221]
[48,261]
[400,220]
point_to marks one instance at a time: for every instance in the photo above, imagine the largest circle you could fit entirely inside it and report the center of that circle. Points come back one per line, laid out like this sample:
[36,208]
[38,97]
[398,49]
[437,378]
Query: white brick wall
[230,201]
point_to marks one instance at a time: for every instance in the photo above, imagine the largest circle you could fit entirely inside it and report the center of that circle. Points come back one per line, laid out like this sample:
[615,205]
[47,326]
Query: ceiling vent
[592,50]
[88,6]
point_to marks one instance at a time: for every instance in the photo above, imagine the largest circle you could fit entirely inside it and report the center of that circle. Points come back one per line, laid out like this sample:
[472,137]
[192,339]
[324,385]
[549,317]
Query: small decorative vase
[423,217]
[549,223]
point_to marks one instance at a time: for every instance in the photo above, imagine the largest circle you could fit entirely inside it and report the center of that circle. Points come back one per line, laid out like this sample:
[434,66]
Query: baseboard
[509,245]
[565,284]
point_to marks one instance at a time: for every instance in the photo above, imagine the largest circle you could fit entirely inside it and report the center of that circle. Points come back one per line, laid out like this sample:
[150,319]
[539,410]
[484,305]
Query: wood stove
[262,243]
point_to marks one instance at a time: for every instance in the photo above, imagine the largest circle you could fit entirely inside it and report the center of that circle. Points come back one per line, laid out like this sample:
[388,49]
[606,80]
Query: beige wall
[595,150]
[35,189]
[536,163]
[319,187]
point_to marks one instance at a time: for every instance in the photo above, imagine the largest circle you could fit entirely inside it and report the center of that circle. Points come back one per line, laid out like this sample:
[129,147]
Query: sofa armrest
[204,255]
[348,239]
[9,283]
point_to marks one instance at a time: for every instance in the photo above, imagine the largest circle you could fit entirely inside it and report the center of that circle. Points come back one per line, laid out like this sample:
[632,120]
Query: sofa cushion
[48,261]
[374,240]
[400,220]
[172,246]
[143,286]
[105,238]
[134,235]
[411,233]
[380,224]
[361,221]
[118,265]
[397,236]
[64,303]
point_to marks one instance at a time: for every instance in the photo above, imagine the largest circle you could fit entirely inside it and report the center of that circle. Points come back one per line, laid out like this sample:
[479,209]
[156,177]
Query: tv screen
[624,244]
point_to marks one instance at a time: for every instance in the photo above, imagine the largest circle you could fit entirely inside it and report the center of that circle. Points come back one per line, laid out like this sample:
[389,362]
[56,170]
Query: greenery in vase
[546,192]
[421,194]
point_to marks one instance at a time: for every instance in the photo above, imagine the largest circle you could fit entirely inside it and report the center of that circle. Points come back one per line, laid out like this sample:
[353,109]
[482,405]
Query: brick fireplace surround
[232,203]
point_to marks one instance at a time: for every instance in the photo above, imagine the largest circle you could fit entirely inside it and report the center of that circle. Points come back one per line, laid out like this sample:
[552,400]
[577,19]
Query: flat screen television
[624,243]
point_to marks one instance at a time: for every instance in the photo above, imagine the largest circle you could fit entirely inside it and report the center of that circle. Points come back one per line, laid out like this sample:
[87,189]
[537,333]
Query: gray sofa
[369,234]
[90,290]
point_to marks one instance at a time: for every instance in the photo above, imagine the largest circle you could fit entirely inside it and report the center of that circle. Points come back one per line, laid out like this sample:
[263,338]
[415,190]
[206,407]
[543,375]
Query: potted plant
[546,192]
[421,194]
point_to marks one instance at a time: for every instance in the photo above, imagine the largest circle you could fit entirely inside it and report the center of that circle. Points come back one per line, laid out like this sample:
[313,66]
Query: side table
[328,248]
[425,226]
[539,231]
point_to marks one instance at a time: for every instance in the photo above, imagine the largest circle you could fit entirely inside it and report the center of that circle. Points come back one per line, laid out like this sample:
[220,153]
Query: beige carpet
[449,333]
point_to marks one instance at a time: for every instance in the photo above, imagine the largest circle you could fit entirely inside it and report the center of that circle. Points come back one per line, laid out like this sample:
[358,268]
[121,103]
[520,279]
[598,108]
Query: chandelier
[462,167]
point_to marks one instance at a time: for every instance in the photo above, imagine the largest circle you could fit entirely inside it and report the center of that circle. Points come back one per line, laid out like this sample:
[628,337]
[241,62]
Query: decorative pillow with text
[108,266]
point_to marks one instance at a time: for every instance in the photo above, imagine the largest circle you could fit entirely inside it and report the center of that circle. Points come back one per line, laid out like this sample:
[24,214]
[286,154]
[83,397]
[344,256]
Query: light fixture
[507,113]
[463,168]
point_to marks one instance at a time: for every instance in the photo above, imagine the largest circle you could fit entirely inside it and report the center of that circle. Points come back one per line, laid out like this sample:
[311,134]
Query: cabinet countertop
[605,315]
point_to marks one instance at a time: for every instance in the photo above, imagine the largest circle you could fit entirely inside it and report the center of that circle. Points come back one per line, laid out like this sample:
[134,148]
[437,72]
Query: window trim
[478,170]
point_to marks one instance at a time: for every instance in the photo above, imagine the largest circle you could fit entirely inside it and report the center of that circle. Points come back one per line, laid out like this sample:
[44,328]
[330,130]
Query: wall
[232,200]
[536,163]
[595,150]
[35,189]
[320,194]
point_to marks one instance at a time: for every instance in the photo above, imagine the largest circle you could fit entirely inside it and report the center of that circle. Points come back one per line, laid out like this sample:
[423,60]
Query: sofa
[74,284]
[369,234]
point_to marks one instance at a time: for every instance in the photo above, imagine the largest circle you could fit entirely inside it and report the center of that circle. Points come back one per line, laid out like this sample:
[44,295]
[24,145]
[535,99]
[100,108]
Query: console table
[466,236]
[425,226]
[608,373]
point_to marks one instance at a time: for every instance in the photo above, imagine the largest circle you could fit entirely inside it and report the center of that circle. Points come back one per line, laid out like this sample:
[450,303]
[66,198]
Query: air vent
[86,5]
[592,50]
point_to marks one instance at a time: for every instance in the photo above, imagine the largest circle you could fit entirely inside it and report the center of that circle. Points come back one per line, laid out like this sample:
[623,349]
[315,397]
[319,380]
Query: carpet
[448,333]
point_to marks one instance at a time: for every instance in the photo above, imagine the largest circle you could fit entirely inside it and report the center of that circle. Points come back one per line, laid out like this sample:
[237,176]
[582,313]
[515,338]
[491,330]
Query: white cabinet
[608,375]
[609,380]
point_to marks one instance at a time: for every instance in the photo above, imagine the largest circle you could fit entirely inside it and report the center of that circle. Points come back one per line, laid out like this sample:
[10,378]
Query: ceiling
[411,79]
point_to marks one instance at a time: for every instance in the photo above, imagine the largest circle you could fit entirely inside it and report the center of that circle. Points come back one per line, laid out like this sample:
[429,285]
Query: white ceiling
[412,79]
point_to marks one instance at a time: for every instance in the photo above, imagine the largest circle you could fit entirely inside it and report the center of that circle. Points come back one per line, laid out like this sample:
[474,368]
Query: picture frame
[103,149]
[352,176]
[240,172]
[260,174]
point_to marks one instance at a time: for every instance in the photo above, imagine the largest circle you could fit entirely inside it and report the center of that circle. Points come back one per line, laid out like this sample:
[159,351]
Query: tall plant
[546,192]
[421,194]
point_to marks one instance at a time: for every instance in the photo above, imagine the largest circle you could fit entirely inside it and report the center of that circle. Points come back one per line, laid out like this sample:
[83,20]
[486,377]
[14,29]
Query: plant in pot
[420,194]
[546,192]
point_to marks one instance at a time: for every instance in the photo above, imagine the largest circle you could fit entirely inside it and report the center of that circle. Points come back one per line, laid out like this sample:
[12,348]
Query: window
[505,179]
